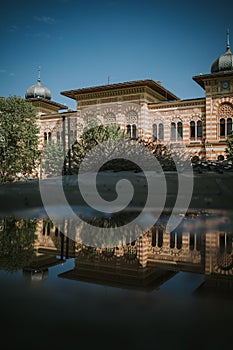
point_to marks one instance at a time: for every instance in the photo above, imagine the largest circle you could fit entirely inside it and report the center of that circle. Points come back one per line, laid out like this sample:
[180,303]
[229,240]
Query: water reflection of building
[146,263]
[150,261]
[50,239]
[209,253]
[51,248]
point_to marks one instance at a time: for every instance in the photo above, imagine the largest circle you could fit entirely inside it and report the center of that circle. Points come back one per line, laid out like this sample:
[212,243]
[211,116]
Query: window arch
[157,236]
[173,131]
[199,129]
[192,130]
[128,130]
[160,237]
[172,239]
[131,117]
[176,131]
[229,126]
[110,118]
[134,131]
[131,131]
[222,127]
[195,241]
[161,131]
[225,113]
[47,137]
[155,135]
[180,130]
[225,110]
[195,130]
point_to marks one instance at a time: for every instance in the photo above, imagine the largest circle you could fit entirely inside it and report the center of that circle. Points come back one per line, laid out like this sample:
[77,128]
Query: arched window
[191,241]
[131,131]
[198,241]
[128,130]
[110,118]
[56,231]
[222,242]
[225,243]
[160,237]
[131,117]
[45,137]
[229,126]
[179,240]
[192,130]
[172,239]
[222,127]
[49,136]
[161,132]
[157,237]
[199,129]
[225,114]
[173,131]
[180,130]
[153,241]
[155,136]
[134,131]
[195,241]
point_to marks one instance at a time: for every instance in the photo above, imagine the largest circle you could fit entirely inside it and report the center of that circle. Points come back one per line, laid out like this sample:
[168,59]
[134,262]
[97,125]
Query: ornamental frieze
[86,103]
[102,94]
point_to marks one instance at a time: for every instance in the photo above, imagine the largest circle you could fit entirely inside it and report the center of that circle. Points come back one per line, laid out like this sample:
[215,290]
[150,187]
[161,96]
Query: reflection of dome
[223,63]
[32,274]
[38,90]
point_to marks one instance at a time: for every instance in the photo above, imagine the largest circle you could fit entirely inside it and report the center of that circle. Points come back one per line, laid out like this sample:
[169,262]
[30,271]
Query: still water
[164,290]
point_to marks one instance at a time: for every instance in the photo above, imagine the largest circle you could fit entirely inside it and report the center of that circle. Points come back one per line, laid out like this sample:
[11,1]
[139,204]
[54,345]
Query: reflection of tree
[111,230]
[17,243]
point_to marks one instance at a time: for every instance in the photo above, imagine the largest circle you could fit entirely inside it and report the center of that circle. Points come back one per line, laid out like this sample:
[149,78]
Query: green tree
[90,138]
[18,138]
[229,148]
[52,159]
[17,243]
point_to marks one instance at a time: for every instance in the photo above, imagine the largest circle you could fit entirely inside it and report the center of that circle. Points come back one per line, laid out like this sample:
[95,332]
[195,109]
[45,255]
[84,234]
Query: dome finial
[38,79]
[228,40]
[38,90]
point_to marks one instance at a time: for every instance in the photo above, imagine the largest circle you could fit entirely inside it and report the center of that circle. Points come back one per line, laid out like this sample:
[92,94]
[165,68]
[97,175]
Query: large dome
[38,90]
[224,63]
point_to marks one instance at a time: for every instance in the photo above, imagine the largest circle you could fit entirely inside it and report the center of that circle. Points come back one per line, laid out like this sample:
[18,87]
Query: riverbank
[211,191]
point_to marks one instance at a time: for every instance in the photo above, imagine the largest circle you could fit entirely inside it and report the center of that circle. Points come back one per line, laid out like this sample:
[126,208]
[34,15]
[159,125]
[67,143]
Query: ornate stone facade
[147,109]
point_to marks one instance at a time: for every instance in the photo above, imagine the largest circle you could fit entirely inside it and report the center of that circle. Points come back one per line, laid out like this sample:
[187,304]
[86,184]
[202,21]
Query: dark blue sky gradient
[81,43]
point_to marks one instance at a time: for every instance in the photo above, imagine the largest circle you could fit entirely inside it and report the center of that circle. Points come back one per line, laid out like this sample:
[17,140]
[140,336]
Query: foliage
[19,153]
[161,152]
[167,155]
[52,159]
[229,149]
[89,139]
[17,243]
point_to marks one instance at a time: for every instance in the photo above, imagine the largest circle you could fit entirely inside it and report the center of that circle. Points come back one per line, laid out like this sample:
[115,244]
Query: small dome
[224,63]
[38,90]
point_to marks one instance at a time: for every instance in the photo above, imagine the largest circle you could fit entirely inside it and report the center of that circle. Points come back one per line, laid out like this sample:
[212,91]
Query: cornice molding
[179,104]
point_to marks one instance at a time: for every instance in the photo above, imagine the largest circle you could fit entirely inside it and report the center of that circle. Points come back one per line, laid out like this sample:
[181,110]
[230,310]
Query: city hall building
[148,110]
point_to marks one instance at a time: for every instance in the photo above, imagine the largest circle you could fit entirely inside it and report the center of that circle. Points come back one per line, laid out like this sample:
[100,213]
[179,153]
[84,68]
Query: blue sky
[80,43]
